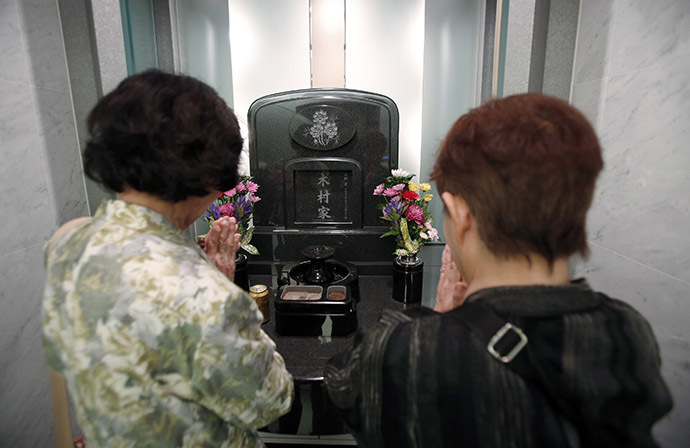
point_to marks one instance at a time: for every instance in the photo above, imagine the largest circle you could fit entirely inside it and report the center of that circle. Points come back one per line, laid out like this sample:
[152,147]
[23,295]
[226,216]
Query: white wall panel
[385,54]
[269,41]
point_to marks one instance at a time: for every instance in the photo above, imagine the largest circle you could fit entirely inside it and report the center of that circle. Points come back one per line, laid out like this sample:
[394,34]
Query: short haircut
[526,165]
[167,135]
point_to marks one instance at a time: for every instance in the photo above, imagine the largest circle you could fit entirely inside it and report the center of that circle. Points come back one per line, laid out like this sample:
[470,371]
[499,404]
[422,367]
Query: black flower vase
[241,271]
[408,273]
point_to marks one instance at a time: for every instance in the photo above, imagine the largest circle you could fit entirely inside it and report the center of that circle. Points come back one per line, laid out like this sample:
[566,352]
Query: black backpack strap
[510,346]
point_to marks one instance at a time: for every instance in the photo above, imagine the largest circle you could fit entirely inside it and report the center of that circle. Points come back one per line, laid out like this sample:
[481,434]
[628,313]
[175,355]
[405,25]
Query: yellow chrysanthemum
[428,197]
[425,187]
[412,186]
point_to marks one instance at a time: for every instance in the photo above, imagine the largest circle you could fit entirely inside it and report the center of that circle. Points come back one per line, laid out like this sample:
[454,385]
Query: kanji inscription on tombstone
[324,196]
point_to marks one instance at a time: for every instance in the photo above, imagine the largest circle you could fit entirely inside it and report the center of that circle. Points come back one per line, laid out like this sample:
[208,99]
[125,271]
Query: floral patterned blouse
[157,346]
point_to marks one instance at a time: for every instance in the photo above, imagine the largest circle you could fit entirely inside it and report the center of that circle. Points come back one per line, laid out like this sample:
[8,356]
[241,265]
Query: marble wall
[42,187]
[630,78]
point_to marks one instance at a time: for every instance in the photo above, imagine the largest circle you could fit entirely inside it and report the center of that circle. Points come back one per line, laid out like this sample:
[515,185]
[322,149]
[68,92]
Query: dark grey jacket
[421,379]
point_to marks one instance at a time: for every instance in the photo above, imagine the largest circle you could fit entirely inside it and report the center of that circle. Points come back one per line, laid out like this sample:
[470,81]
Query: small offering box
[303,310]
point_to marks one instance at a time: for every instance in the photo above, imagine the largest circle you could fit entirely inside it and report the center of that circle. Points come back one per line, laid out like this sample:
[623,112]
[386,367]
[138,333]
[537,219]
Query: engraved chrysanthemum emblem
[324,130]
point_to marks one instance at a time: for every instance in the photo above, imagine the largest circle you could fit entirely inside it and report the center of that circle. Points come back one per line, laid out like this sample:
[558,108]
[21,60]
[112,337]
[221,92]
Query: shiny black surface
[407,281]
[330,272]
[317,252]
[306,356]
[322,306]
[317,271]
[289,145]
[322,317]
[364,249]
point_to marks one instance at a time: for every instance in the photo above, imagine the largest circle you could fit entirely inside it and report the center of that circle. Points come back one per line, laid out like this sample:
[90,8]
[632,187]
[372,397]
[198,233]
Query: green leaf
[252,250]
[247,236]
[391,232]
[410,245]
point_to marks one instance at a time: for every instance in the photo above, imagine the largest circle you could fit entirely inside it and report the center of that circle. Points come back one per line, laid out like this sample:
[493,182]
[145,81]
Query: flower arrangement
[238,203]
[406,209]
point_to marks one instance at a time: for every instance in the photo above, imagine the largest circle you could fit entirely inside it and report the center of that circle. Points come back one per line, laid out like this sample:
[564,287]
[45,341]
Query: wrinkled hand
[451,286]
[221,245]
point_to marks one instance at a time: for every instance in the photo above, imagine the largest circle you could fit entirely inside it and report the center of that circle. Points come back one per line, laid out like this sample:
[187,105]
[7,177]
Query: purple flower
[242,207]
[394,207]
[390,192]
[378,190]
[415,213]
[213,211]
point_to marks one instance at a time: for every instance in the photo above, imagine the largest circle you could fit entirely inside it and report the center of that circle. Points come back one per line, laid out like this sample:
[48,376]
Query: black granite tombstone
[318,154]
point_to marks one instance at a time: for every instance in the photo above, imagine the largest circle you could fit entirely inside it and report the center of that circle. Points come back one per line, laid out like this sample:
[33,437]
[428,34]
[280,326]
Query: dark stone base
[363,248]
[276,268]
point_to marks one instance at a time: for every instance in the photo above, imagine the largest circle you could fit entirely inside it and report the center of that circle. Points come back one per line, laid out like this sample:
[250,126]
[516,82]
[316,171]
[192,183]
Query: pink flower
[433,234]
[230,193]
[423,235]
[252,187]
[227,210]
[378,190]
[399,187]
[415,213]
[241,187]
[254,198]
[390,192]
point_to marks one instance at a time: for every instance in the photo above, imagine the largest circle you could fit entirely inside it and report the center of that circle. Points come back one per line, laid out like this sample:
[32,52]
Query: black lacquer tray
[312,313]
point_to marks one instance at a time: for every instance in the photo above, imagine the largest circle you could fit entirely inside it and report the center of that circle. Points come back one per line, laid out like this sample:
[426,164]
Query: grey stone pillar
[540,46]
[94,47]
[165,18]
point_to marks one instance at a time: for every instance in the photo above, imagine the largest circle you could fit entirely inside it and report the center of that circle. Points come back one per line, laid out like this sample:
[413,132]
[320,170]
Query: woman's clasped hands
[451,288]
[221,245]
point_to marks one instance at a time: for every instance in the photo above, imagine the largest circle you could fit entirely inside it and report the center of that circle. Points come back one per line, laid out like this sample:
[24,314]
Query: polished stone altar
[318,154]
[306,356]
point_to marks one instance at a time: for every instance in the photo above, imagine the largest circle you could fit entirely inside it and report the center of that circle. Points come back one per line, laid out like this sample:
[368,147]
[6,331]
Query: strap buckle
[496,338]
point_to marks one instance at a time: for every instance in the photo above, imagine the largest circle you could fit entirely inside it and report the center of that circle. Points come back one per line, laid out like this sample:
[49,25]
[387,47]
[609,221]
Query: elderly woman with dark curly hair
[158,346]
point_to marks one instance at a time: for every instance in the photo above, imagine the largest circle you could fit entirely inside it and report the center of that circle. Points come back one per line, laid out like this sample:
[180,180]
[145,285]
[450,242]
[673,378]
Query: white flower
[320,117]
[400,173]
[331,129]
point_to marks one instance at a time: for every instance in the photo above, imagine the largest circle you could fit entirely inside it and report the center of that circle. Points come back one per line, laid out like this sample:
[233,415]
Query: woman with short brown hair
[523,356]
